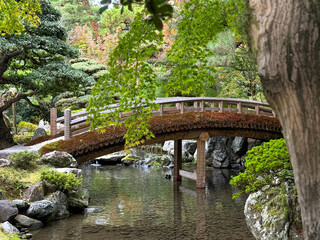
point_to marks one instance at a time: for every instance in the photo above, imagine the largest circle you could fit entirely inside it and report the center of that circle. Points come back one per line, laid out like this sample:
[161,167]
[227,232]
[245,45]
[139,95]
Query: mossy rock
[159,161]
[130,159]
[76,205]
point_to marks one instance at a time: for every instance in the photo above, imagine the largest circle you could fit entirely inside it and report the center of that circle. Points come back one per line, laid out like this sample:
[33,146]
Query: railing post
[195,104]
[239,107]
[220,106]
[202,106]
[161,109]
[229,107]
[67,126]
[256,108]
[212,107]
[182,107]
[274,114]
[53,121]
[201,160]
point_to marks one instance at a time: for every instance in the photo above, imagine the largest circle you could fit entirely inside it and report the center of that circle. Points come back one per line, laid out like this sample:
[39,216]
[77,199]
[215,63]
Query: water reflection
[139,203]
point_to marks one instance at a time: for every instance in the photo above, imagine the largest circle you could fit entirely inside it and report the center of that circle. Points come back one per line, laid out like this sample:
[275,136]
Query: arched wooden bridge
[178,118]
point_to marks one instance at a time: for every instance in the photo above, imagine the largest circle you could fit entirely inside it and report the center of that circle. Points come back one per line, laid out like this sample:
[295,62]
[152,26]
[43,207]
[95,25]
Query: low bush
[24,159]
[26,127]
[268,164]
[22,138]
[10,180]
[64,182]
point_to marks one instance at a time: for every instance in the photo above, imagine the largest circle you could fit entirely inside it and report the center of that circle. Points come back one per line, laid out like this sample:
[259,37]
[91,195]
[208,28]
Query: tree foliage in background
[268,164]
[133,79]
[34,63]
[14,15]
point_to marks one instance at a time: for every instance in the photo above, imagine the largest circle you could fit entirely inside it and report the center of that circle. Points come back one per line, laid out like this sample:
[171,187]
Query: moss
[50,147]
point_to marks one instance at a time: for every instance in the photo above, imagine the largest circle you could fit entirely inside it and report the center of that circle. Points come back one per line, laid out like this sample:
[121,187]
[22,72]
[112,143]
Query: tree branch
[17,98]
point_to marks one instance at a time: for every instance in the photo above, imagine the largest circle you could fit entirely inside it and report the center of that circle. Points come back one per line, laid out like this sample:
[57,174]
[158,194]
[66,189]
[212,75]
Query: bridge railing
[169,106]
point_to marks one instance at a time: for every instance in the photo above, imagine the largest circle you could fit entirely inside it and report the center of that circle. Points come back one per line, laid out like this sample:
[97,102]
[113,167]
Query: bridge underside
[90,145]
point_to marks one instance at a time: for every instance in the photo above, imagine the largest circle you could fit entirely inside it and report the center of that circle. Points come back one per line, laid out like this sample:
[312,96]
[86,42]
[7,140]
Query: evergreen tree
[34,63]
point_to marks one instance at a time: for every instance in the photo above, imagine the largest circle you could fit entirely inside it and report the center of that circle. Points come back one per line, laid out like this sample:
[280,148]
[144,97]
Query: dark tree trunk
[286,37]
[5,135]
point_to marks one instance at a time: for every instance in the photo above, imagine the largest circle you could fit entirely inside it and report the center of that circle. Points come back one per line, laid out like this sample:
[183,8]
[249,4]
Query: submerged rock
[111,159]
[8,210]
[59,159]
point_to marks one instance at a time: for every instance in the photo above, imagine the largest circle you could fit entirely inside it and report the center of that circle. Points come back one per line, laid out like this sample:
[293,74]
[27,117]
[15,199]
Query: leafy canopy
[268,164]
[14,15]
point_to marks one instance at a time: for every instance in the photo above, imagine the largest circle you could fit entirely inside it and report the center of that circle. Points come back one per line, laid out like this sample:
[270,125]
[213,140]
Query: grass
[4,236]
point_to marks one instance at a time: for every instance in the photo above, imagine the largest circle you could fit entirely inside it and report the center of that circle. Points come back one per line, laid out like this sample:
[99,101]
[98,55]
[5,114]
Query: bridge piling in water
[177,160]
[201,160]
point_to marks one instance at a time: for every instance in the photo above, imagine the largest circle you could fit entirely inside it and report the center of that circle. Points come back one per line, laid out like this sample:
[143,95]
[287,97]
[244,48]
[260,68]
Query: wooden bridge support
[177,159]
[201,160]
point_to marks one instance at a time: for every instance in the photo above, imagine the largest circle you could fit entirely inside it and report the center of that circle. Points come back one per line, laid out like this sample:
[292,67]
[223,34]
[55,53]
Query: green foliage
[191,74]
[26,127]
[49,146]
[15,14]
[132,78]
[10,179]
[64,182]
[268,164]
[21,139]
[24,159]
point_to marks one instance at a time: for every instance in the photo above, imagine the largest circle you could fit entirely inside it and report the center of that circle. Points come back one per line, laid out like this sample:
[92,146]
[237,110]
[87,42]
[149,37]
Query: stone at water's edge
[40,209]
[268,215]
[8,210]
[59,159]
[9,228]
[59,199]
[21,205]
[113,158]
[28,222]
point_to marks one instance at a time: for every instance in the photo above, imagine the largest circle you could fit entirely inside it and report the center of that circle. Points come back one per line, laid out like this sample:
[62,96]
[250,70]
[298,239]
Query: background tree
[14,13]
[34,63]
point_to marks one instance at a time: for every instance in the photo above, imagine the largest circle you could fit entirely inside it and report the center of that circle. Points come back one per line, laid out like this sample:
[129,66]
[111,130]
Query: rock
[188,149]
[0,195]
[40,209]
[28,222]
[267,214]
[9,228]
[59,199]
[75,171]
[76,205]
[35,192]
[190,146]
[59,159]
[130,159]
[39,133]
[49,187]
[159,161]
[253,143]
[4,162]
[168,147]
[8,210]
[239,145]
[21,205]
[111,159]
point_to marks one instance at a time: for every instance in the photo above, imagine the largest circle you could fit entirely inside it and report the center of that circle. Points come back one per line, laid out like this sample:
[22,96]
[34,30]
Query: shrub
[10,179]
[268,164]
[21,139]
[64,182]
[24,159]
[26,127]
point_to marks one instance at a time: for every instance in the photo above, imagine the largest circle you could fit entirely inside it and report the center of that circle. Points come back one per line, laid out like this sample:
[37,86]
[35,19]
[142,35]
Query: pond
[129,202]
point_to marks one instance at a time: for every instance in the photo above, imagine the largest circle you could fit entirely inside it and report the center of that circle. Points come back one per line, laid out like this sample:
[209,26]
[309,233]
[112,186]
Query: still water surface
[140,203]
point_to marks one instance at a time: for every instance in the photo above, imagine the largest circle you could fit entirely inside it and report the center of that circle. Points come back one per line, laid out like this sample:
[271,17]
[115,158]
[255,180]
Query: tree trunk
[5,135]
[286,37]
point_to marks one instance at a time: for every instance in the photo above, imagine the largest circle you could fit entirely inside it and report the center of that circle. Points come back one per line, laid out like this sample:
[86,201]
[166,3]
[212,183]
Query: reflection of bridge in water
[177,118]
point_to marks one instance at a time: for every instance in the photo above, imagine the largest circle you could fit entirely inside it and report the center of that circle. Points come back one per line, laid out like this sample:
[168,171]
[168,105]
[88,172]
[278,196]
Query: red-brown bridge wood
[189,118]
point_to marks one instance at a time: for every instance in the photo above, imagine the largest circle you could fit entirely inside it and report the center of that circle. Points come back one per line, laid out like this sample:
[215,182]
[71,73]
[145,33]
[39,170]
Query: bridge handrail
[199,104]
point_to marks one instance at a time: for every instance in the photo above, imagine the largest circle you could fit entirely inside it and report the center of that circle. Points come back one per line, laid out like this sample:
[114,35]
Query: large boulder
[40,209]
[21,205]
[9,228]
[111,159]
[8,210]
[59,200]
[28,222]
[59,159]
[35,192]
[268,213]
[239,145]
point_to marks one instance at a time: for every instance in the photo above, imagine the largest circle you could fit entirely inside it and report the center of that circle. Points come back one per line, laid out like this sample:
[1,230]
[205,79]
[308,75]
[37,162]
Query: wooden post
[221,106]
[201,214]
[53,121]
[161,109]
[257,109]
[177,159]
[212,106]
[202,106]
[182,108]
[239,107]
[195,104]
[201,160]
[67,126]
